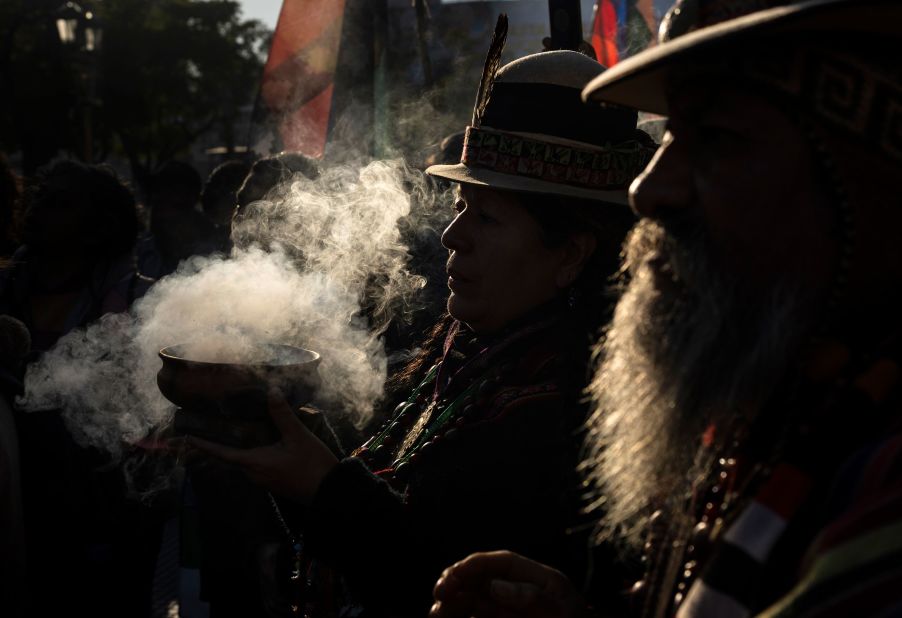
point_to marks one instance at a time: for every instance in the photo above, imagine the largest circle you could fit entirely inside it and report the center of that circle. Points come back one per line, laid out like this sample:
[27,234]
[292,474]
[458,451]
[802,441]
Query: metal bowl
[205,386]
[226,401]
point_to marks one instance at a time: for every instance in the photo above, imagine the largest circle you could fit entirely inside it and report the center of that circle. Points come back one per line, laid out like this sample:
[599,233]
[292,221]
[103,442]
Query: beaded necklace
[412,429]
[301,574]
[417,411]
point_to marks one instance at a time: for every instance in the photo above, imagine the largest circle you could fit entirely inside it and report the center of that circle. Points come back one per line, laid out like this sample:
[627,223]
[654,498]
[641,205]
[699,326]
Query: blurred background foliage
[166,72]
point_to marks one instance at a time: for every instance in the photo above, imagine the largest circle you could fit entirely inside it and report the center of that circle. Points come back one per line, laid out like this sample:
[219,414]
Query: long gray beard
[685,350]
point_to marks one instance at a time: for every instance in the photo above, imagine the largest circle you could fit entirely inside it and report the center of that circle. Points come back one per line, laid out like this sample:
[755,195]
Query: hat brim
[488,178]
[641,82]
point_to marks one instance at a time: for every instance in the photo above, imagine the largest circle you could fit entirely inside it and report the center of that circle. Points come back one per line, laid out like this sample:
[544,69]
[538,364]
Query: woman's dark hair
[109,218]
[404,380]
[560,217]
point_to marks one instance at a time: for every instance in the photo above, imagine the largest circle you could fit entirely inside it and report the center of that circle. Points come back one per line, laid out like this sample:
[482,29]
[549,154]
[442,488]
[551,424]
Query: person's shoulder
[856,559]
[546,372]
[867,495]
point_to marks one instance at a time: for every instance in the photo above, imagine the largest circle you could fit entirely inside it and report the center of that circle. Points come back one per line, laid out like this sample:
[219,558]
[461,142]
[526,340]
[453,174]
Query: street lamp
[67,22]
[80,29]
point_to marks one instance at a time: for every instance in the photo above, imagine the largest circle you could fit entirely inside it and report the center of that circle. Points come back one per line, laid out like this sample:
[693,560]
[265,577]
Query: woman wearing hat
[480,453]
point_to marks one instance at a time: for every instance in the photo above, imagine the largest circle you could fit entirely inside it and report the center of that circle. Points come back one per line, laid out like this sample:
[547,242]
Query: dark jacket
[500,475]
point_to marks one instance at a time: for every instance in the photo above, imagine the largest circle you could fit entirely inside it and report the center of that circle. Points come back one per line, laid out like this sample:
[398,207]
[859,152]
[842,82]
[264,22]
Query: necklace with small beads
[422,420]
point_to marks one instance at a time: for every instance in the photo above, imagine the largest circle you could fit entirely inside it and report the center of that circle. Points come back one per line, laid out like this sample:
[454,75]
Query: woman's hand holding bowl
[293,467]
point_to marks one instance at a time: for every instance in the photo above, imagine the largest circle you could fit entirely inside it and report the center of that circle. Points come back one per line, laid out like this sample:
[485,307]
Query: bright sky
[266,11]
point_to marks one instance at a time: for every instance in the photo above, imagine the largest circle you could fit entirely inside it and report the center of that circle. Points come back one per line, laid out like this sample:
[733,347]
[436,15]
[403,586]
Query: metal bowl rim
[165,354]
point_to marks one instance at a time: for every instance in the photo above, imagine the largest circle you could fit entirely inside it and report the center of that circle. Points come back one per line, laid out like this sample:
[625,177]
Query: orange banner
[300,71]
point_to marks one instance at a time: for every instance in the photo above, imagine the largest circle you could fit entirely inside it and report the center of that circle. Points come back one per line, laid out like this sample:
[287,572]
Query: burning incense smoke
[320,264]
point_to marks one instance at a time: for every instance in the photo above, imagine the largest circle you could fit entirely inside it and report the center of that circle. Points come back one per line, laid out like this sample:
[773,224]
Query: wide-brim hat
[641,82]
[532,133]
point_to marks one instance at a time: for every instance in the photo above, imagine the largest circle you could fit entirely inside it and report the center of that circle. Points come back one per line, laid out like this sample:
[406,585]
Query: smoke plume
[319,264]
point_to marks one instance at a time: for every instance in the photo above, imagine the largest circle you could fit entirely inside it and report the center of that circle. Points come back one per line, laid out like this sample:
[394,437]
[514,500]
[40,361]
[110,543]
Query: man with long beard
[746,440]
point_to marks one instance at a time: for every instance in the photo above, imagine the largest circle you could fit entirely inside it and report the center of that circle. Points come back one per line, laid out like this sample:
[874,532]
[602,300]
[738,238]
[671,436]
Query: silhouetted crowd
[76,244]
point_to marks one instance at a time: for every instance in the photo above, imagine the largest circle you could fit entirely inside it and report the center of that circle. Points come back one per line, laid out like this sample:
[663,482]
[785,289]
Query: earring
[573,297]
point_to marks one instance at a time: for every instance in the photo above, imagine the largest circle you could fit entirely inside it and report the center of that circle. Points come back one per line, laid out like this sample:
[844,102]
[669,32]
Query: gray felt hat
[532,133]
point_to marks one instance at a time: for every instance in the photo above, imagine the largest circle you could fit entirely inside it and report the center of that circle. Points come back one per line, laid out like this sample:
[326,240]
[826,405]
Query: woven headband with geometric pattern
[608,167]
[826,78]
[842,91]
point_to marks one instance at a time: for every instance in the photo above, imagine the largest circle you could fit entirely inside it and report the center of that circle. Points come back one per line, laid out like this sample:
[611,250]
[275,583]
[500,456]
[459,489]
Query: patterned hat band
[607,168]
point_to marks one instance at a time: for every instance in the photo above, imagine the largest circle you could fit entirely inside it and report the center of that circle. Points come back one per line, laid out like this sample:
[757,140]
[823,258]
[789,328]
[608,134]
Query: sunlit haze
[266,11]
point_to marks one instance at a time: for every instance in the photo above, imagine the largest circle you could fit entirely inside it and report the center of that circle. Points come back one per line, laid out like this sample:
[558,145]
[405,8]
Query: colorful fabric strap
[854,567]
[853,495]
[746,548]
[606,168]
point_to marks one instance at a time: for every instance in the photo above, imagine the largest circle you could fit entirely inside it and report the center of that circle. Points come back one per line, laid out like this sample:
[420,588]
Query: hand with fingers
[293,467]
[504,584]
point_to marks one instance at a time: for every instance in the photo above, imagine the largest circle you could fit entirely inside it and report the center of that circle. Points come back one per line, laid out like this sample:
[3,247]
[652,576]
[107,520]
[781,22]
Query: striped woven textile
[821,534]
[854,566]
[729,587]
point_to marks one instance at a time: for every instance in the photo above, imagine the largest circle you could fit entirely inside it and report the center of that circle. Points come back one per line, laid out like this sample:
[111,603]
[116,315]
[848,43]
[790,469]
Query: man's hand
[501,584]
[293,467]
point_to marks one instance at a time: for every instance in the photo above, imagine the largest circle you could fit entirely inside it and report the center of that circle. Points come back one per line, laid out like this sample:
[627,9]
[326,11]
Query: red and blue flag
[621,28]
